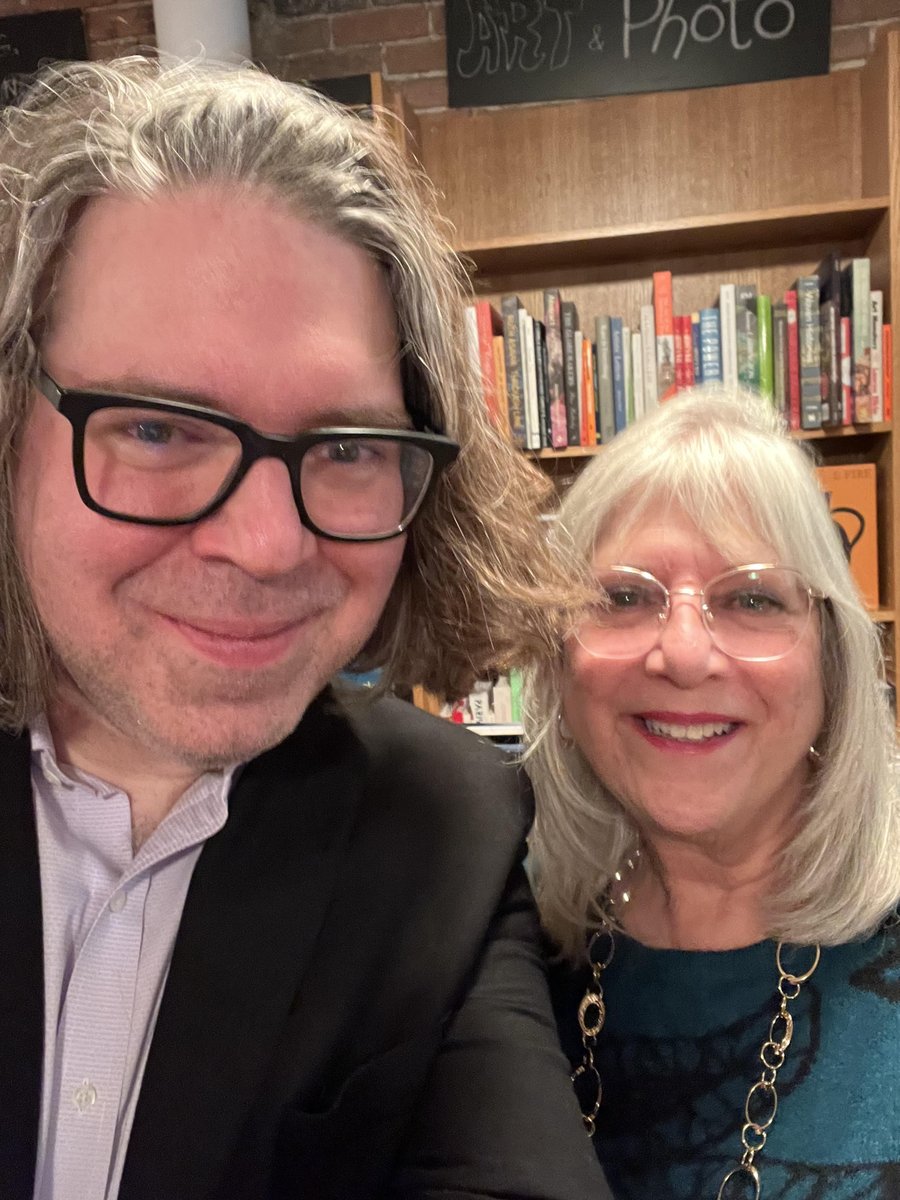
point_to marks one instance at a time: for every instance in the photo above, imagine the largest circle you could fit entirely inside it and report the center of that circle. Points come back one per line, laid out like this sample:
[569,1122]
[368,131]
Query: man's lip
[238,631]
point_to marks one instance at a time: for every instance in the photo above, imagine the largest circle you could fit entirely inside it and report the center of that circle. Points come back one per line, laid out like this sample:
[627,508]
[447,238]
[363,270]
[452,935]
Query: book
[515,379]
[620,411]
[855,293]
[780,367]
[851,493]
[680,369]
[807,289]
[876,382]
[529,368]
[500,376]
[540,371]
[665,334]
[555,381]
[746,336]
[648,344]
[587,389]
[793,343]
[605,381]
[846,372]
[568,316]
[696,372]
[764,345]
[629,381]
[727,334]
[888,370]
[829,273]
[710,346]
[579,372]
[489,324]
[637,373]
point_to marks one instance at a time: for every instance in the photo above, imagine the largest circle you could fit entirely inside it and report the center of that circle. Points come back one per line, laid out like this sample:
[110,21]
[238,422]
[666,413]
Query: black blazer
[356,1005]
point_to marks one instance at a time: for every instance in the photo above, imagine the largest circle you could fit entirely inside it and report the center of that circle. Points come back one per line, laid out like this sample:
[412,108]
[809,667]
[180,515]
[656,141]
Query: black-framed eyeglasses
[164,462]
[754,613]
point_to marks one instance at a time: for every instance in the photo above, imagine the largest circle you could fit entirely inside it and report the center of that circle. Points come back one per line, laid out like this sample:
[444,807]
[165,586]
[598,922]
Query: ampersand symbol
[596,42]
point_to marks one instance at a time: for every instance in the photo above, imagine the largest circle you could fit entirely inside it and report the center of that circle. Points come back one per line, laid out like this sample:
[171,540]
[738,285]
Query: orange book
[887,341]
[500,378]
[588,401]
[665,334]
[851,497]
[488,323]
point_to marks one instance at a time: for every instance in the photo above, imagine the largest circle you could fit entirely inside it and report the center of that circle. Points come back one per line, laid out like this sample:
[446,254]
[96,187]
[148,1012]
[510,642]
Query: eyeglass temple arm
[48,388]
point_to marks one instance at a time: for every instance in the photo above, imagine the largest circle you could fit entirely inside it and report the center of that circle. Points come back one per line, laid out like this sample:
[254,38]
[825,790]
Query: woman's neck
[692,896]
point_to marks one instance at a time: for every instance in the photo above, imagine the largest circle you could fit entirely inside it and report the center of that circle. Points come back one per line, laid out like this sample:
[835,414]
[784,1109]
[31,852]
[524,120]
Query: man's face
[206,642]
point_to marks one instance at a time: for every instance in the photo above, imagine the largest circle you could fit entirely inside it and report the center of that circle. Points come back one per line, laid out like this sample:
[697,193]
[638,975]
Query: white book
[637,374]
[628,372]
[502,697]
[877,368]
[472,337]
[648,345]
[532,418]
[579,375]
[727,316]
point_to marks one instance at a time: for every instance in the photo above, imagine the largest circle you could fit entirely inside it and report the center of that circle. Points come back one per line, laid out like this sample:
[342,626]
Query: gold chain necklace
[763,1095]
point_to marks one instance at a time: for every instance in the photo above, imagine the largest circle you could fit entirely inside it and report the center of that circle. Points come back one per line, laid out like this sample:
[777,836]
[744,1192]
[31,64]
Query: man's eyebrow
[369,415]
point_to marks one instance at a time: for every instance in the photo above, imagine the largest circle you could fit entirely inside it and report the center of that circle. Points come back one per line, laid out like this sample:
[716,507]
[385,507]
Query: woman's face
[744,780]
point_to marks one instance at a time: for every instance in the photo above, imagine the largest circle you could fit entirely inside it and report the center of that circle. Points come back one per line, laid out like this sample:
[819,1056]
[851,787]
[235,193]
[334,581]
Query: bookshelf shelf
[877,428]
[768,229]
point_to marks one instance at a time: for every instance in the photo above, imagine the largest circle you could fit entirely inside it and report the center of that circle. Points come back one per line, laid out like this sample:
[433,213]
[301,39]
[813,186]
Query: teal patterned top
[680,1051]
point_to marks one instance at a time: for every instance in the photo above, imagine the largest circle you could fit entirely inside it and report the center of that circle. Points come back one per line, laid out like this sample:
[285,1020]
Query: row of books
[821,353]
[491,702]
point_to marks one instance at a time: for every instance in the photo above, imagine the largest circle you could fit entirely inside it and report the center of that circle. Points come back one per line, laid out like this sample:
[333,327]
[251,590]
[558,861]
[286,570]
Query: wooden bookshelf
[753,183]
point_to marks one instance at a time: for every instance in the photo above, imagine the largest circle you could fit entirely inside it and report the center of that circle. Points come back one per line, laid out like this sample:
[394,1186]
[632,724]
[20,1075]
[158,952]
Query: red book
[665,334]
[846,371]
[680,365]
[687,332]
[887,340]
[793,344]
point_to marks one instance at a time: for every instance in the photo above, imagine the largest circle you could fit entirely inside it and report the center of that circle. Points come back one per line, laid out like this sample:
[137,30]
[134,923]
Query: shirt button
[118,902]
[85,1096]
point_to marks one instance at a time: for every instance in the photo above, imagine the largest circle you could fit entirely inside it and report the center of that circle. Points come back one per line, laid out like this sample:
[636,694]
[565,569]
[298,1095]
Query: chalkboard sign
[26,43]
[513,51]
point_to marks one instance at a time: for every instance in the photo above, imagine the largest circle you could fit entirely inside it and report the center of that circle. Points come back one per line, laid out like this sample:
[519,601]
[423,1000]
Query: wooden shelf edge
[803,435]
[834,220]
[882,616]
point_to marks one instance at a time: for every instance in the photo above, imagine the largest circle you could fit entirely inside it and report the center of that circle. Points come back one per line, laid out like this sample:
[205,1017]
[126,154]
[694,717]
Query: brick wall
[111,26]
[304,39]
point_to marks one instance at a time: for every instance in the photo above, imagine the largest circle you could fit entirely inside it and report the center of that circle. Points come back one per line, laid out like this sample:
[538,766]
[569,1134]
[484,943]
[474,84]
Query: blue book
[696,349]
[620,408]
[710,346]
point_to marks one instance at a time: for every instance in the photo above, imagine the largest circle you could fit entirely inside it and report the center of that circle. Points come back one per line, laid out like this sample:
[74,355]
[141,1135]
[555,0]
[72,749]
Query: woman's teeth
[689,733]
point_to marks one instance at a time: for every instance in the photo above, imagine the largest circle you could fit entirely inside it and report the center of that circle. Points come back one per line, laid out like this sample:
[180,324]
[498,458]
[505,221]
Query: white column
[215,29]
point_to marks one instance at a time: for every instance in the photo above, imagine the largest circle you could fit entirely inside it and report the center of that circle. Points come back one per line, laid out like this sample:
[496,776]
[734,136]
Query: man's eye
[153,433]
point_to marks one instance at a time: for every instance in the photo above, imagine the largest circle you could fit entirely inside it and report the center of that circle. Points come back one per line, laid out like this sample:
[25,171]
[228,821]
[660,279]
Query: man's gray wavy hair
[478,585]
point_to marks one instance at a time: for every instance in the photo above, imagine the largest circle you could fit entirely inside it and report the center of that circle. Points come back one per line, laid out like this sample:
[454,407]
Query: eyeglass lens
[156,465]
[755,615]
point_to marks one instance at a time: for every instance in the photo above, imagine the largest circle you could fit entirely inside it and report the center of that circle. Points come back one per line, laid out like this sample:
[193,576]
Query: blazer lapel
[257,899]
[21,972]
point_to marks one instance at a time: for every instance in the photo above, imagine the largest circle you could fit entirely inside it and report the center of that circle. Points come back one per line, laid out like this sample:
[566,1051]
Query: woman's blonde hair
[725,460]
[478,582]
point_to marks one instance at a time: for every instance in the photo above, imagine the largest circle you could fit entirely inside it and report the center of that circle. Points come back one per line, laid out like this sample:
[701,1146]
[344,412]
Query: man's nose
[258,528]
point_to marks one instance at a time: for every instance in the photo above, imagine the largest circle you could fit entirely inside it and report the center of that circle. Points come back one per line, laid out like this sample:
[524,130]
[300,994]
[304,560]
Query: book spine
[727,334]
[526,341]
[500,375]
[764,346]
[793,342]
[582,409]
[665,334]
[877,382]
[540,374]
[808,328]
[745,335]
[618,374]
[695,373]
[587,387]
[570,374]
[780,392]
[861,324]
[680,367]
[515,383]
[648,343]
[637,373]
[887,373]
[605,380]
[485,320]
[556,381]
[846,372]
[710,346]
[629,381]
[830,359]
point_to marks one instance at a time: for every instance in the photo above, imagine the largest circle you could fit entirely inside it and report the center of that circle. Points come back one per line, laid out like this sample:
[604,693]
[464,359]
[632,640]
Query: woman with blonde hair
[717,843]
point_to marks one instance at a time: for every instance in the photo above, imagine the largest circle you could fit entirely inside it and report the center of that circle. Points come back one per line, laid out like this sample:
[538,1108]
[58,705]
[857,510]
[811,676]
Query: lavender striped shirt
[110,920]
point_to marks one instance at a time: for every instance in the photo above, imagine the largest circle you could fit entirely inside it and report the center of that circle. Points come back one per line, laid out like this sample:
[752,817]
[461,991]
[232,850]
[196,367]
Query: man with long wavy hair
[257,940]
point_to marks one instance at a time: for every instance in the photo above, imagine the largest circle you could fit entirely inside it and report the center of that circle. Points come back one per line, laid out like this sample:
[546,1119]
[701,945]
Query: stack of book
[820,351]
[496,702]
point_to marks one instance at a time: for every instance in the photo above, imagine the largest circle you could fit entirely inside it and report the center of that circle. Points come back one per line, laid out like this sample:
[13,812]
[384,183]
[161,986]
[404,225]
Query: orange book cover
[851,492]
[665,334]
[887,341]
[588,406]
[500,377]
[489,323]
